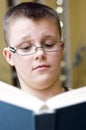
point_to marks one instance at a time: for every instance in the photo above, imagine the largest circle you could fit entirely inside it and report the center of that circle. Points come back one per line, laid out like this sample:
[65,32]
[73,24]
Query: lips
[40,67]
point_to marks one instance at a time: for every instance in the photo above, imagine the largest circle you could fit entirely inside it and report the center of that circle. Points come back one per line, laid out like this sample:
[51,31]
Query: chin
[41,86]
[43,82]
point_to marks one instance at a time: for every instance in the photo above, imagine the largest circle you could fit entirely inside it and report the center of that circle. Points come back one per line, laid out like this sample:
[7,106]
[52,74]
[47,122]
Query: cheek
[22,63]
[55,60]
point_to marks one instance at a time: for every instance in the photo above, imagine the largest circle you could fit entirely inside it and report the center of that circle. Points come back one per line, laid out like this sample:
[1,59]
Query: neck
[44,94]
[48,93]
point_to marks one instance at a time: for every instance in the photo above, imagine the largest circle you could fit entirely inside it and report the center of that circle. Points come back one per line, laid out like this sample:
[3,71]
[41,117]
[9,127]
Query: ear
[62,45]
[8,56]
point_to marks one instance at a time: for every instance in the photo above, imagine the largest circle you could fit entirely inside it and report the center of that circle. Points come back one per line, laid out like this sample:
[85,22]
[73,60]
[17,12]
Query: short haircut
[32,10]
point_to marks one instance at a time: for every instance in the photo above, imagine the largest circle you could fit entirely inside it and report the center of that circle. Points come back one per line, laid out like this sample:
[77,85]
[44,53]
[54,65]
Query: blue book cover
[71,118]
[15,118]
[21,111]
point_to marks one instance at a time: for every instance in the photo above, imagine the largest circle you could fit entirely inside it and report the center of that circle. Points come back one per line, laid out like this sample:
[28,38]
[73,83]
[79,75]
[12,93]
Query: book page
[68,98]
[16,96]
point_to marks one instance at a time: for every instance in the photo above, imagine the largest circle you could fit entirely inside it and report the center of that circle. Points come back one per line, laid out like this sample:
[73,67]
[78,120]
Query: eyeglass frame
[14,49]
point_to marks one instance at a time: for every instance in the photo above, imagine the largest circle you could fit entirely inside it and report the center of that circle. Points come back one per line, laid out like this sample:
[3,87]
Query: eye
[26,47]
[49,45]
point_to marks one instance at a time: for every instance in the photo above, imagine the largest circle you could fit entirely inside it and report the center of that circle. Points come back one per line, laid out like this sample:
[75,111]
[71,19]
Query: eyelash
[50,44]
[26,47]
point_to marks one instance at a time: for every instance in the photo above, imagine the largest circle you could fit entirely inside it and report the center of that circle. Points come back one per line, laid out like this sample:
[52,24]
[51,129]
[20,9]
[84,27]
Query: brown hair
[32,10]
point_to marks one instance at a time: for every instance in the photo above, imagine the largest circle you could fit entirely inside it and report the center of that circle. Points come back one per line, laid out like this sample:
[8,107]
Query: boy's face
[41,69]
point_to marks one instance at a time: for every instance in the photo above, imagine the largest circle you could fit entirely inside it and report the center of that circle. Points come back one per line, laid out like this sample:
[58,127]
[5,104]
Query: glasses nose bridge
[40,47]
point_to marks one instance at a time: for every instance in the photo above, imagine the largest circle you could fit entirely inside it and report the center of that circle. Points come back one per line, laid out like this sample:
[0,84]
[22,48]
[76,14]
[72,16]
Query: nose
[40,53]
[37,48]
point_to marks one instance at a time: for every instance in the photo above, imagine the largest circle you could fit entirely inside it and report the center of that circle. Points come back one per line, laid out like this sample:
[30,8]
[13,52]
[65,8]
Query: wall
[5,70]
[77,16]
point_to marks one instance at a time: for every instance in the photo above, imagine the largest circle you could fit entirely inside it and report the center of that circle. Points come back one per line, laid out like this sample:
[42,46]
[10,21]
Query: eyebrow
[23,38]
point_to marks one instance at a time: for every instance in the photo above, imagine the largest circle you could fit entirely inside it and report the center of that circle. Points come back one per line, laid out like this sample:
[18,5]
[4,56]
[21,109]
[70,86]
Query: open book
[21,111]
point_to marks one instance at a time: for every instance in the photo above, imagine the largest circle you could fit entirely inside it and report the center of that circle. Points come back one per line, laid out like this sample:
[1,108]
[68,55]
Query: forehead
[24,27]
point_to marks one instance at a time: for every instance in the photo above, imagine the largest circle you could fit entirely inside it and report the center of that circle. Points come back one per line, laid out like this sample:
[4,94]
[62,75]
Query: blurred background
[73,20]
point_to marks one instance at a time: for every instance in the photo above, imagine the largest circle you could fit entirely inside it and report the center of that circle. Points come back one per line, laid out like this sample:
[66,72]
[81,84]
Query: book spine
[45,121]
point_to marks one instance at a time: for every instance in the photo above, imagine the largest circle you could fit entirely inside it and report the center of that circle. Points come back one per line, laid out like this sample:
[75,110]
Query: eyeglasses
[31,49]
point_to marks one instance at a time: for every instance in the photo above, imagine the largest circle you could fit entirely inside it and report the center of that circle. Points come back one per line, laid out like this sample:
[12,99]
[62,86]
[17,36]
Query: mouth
[41,67]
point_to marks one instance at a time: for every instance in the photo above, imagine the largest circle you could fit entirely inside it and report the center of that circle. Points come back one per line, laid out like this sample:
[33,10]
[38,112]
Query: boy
[33,35]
